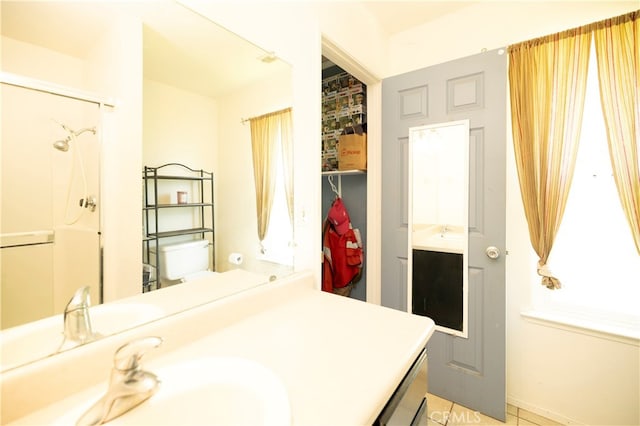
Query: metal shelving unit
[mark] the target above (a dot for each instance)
(200, 207)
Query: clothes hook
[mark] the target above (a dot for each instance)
(335, 190)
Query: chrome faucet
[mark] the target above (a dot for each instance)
(77, 322)
(444, 230)
(129, 385)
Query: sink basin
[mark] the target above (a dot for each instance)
(214, 391)
(228, 391)
(25, 343)
(432, 238)
(451, 236)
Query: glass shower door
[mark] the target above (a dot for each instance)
(50, 231)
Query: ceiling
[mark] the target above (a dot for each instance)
(393, 17)
(180, 47)
(396, 16)
(206, 58)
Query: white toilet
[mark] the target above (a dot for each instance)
(183, 262)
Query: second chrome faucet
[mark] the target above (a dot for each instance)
(77, 321)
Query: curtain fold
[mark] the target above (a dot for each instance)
(547, 79)
(287, 157)
(263, 144)
(268, 132)
(617, 42)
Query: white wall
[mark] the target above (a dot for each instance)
(26, 59)
(563, 373)
(235, 197)
(491, 25)
(195, 130)
(179, 127)
(560, 373)
(293, 34)
(38, 281)
(116, 71)
(113, 69)
(584, 369)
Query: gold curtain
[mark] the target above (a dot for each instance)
(617, 43)
(287, 157)
(547, 79)
(266, 132)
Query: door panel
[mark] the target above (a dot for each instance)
(468, 371)
(476, 180)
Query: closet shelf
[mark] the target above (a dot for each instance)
(344, 172)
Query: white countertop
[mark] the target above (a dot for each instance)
(339, 359)
(29, 342)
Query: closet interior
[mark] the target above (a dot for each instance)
(344, 110)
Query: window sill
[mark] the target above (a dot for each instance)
(627, 332)
(284, 261)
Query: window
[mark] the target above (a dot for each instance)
(594, 255)
(279, 237)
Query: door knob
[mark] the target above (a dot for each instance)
(492, 252)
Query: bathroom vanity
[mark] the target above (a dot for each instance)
(337, 361)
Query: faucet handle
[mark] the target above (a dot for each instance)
(128, 356)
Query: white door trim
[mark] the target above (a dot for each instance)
(373, 250)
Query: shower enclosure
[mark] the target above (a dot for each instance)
(50, 202)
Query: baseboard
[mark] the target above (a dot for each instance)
(542, 411)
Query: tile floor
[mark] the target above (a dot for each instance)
(442, 412)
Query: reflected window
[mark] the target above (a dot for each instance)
(277, 244)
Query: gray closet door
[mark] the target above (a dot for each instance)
(469, 371)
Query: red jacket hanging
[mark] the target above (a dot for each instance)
(342, 247)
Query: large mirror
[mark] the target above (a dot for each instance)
(123, 85)
(438, 224)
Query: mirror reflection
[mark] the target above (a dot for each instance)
(50, 174)
(126, 85)
(438, 223)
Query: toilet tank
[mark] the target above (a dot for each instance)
(181, 259)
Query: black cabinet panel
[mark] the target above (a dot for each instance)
(437, 287)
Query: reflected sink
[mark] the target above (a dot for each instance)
(214, 391)
(452, 236)
(38, 339)
(432, 238)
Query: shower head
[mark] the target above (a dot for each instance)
(63, 145)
